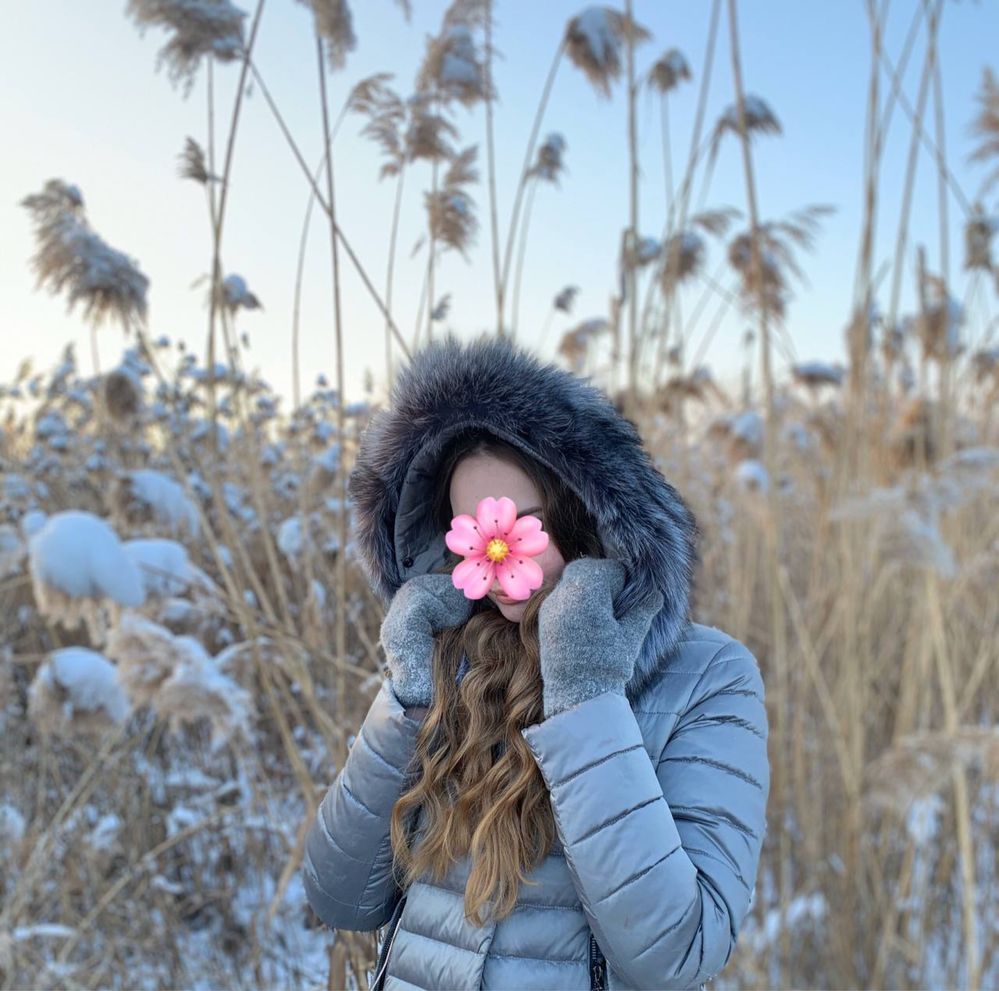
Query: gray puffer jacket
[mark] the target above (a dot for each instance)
(659, 795)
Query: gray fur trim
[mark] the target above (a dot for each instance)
(560, 419)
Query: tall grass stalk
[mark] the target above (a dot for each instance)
(525, 175)
(676, 210)
(491, 161)
(351, 254)
(631, 272)
(218, 214)
(341, 473)
(778, 645)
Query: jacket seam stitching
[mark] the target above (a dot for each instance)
(619, 817)
(363, 736)
(693, 692)
(641, 873)
(330, 838)
(354, 798)
(522, 903)
(597, 763)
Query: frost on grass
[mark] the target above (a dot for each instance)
(11, 550)
(153, 495)
(165, 567)
(236, 294)
(76, 693)
(818, 373)
(178, 678)
(81, 573)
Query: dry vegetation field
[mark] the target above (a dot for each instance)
(187, 643)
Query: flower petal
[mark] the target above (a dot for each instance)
(527, 538)
(519, 576)
(496, 516)
(464, 537)
(474, 576)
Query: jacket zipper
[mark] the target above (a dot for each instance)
(598, 966)
(388, 949)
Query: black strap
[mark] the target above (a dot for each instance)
(598, 967)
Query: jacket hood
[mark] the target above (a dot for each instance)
(558, 418)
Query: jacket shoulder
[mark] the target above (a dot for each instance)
(701, 659)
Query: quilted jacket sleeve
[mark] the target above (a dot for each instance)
(347, 866)
(664, 855)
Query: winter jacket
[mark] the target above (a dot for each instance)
(659, 795)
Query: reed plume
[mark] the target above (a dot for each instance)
(199, 28)
(593, 42)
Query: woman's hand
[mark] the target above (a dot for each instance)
(585, 651)
(421, 607)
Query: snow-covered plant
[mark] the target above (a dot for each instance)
(593, 42)
(72, 256)
(80, 572)
(75, 693)
(668, 71)
(450, 210)
(177, 677)
(199, 27)
(335, 25)
(549, 164)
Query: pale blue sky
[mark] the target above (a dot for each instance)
(83, 101)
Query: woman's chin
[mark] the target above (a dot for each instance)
(514, 608)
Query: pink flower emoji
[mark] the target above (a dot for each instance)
(496, 545)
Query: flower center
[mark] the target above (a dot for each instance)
(497, 549)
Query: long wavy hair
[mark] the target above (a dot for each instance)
(477, 782)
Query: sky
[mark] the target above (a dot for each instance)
(84, 101)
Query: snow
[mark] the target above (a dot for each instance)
(801, 910)
(166, 498)
(922, 820)
(16, 488)
(12, 825)
(647, 251)
(820, 370)
(594, 26)
(926, 545)
(751, 475)
(747, 426)
(163, 565)
(89, 680)
(50, 424)
(11, 550)
(319, 592)
(80, 555)
(458, 66)
(104, 835)
(236, 292)
(329, 460)
(289, 538)
(56, 931)
(197, 676)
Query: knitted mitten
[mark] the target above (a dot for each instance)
(421, 607)
(585, 651)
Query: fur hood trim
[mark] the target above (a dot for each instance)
(560, 419)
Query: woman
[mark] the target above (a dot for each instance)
(567, 791)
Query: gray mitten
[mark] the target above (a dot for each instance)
(422, 606)
(585, 651)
